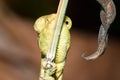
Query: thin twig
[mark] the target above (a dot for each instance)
(58, 25)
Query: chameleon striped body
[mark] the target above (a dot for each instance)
(44, 27)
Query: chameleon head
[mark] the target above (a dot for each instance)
(43, 21)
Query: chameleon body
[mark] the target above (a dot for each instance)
(45, 26)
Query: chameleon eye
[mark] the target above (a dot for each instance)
(66, 22)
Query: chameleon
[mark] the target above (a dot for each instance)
(44, 26)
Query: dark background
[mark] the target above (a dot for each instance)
(84, 14)
(19, 52)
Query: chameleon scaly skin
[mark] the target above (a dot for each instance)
(44, 27)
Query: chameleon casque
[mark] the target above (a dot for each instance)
(44, 26)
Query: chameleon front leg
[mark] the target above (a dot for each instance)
(46, 73)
